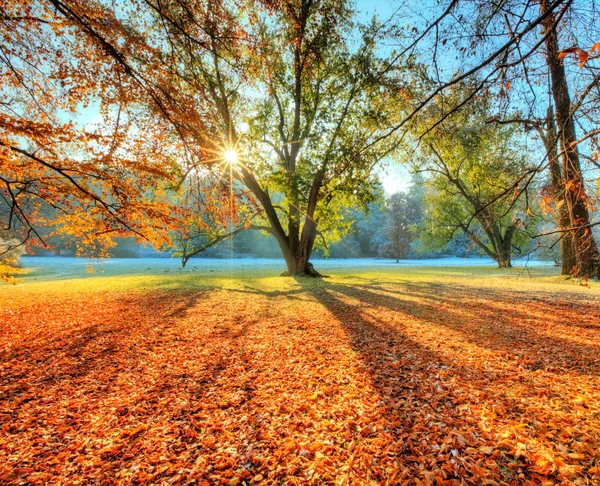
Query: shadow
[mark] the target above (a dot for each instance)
(80, 348)
(534, 328)
(383, 381)
(442, 396)
(95, 370)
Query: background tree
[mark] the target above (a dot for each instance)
(478, 177)
(402, 212)
(514, 50)
(10, 252)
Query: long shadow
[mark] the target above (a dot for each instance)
(415, 399)
(565, 308)
(123, 369)
(435, 403)
(96, 350)
(494, 321)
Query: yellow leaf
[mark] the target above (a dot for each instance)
(487, 450)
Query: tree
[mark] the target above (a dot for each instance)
(477, 172)
(513, 48)
(214, 212)
(587, 258)
(368, 227)
(402, 212)
(10, 252)
(57, 170)
(553, 195)
(279, 84)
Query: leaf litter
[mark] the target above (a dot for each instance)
(320, 382)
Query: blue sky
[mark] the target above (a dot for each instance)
(393, 175)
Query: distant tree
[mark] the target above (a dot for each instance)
(368, 228)
(527, 56)
(214, 211)
(401, 213)
(478, 174)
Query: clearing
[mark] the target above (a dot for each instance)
(373, 376)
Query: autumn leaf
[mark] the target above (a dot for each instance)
(581, 55)
(362, 374)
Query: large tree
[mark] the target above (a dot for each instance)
(587, 258)
(291, 87)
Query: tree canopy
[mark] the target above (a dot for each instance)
(127, 118)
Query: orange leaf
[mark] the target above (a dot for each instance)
(583, 57)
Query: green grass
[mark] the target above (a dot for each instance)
(132, 277)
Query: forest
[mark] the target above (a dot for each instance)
(299, 130)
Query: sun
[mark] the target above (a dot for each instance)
(231, 156)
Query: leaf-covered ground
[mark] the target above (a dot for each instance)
(389, 377)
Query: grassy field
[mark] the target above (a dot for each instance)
(386, 376)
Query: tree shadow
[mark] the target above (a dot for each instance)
(444, 401)
(522, 325)
(148, 358)
(80, 349)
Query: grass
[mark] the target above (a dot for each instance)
(383, 376)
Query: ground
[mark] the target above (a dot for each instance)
(374, 376)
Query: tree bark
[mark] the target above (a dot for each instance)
(587, 258)
(563, 221)
(505, 245)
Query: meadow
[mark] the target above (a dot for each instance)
(386, 375)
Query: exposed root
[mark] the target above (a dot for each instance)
(309, 271)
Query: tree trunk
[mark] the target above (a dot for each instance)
(299, 250)
(504, 246)
(587, 257)
(296, 249)
(503, 260)
(297, 261)
(563, 221)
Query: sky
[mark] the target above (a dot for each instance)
(393, 175)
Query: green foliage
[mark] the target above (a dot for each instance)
(342, 113)
(403, 212)
(478, 176)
